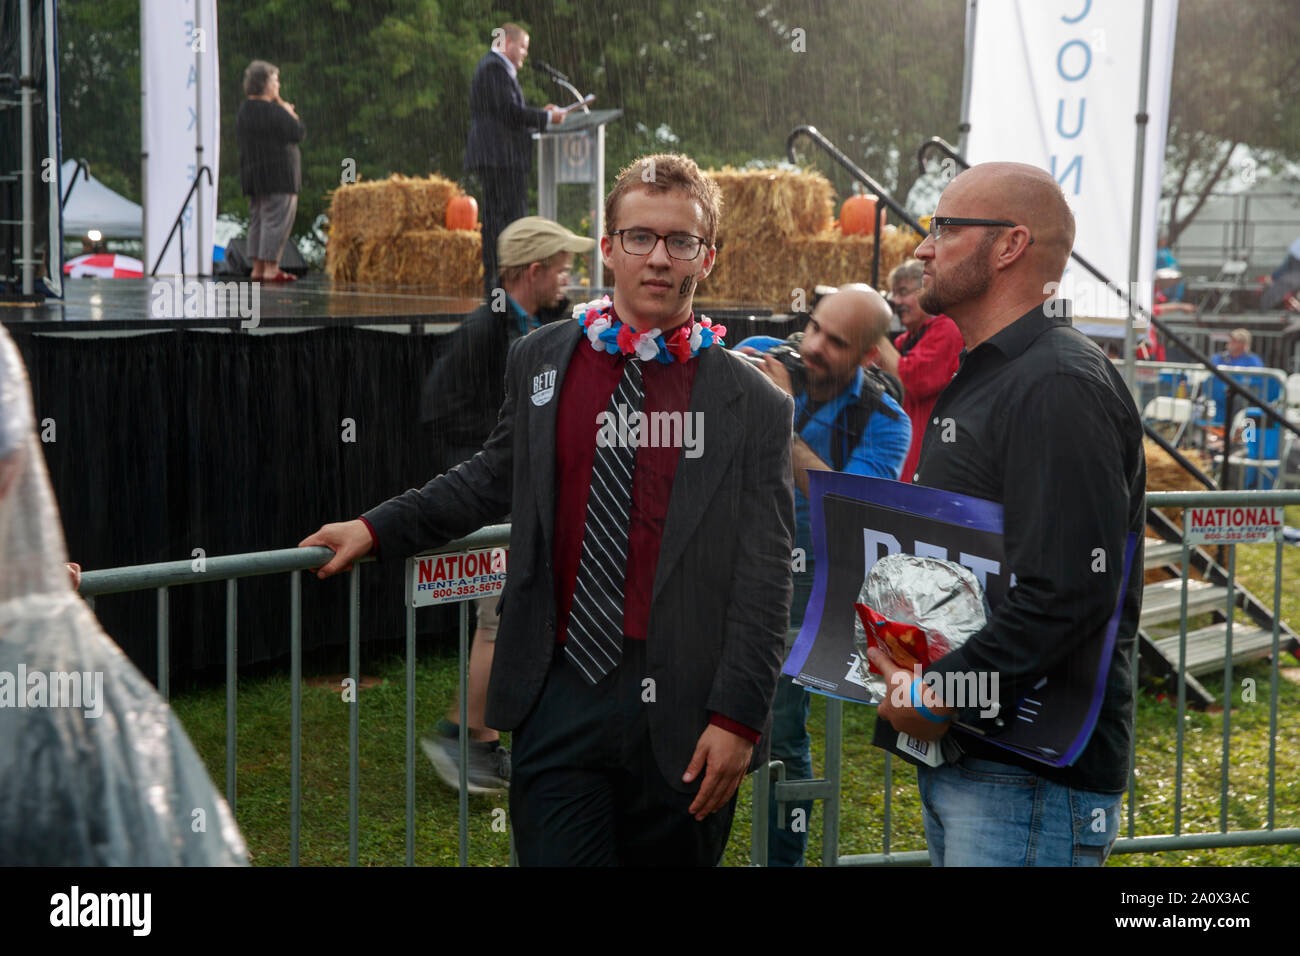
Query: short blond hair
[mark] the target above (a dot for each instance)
(661, 173)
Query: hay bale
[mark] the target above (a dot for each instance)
(765, 271)
(772, 202)
(390, 232)
(342, 256)
(896, 244)
(390, 207)
(1165, 474)
(441, 261)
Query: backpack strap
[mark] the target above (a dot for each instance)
(856, 415)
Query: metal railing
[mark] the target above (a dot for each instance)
(877, 190)
(293, 561)
(82, 169)
(176, 225)
(1279, 346)
(1238, 230)
(1158, 387)
(1167, 329)
(828, 789)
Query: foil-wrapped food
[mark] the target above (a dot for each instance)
(917, 609)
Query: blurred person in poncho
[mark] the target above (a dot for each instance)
(94, 767)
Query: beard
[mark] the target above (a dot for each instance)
(968, 279)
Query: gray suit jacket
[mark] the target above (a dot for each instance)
(722, 587)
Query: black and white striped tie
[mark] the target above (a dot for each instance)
(595, 639)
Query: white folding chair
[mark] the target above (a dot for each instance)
(1216, 294)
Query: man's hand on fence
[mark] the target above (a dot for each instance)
(348, 540)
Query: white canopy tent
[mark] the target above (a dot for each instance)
(93, 205)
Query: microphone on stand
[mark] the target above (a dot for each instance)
(560, 78)
(550, 71)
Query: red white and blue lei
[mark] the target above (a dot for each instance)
(609, 333)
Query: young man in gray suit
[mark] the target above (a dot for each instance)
(647, 472)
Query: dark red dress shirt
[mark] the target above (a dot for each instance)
(589, 384)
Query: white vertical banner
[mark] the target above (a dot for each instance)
(178, 57)
(54, 183)
(1055, 83)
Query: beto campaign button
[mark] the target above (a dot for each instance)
(544, 385)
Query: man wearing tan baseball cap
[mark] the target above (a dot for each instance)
(458, 408)
(536, 239)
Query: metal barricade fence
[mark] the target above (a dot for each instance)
(1186, 398)
(1163, 380)
(828, 788)
(294, 561)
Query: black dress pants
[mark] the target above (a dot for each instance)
(585, 789)
(505, 199)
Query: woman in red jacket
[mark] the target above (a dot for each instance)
(923, 356)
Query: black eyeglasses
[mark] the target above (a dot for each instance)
(641, 242)
(939, 223)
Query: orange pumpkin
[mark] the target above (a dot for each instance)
(858, 216)
(462, 213)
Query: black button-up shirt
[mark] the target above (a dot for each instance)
(1038, 420)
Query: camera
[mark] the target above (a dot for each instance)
(787, 353)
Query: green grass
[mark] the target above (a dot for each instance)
(263, 804)
(263, 742)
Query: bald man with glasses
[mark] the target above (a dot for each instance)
(1037, 420)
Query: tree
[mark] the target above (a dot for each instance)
(385, 83)
(1236, 81)
(727, 83)
(99, 89)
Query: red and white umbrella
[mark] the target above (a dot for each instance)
(104, 265)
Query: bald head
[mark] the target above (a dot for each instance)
(859, 312)
(1025, 195)
(985, 276)
(845, 328)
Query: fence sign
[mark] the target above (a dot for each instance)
(1233, 525)
(449, 578)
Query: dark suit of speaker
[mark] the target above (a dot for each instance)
(722, 584)
(500, 151)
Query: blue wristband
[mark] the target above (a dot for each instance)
(924, 711)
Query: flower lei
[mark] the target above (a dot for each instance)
(612, 335)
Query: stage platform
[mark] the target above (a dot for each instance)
(169, 434)
(106, 305)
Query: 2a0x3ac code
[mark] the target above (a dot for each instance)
(1201, 898)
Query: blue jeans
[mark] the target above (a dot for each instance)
(985, 813)
(792, 745)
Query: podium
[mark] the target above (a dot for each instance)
(574, 152)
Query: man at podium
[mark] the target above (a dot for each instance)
(500, 146)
